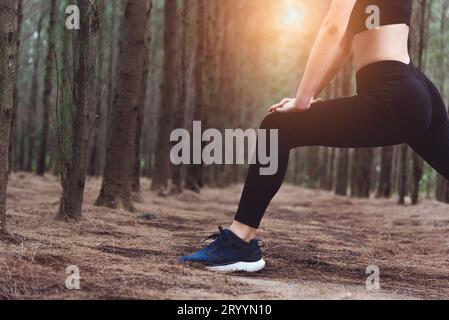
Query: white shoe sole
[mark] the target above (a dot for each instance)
(240, 266)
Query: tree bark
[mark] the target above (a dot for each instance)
(117, 182)
(73, 175)
(31, 115)
(177, 171)
(329, 166)
(194, 171)
(97, 100)
(326, 169)
(8, 60)
(386, 172)
(48, 86)
(168, 92)
(140, 114)
(111, 68)
(402, 184)
(13, 154)
(418, 163)
(313, 167)
(361, 181)
(342, 178)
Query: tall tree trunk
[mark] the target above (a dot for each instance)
(8, 60)
(13, 153)
(31, 115)
(111, 68)
(342, 173)
(97, 101)
(139, 126)
(313, 166)
(386, 171)
(331, 170)
(418, 163)
(140, 115)
(48, 86)
(73, 175)
(324, 168)
(177, 171)
(117, 182)
(212, 36)
(21, 145)
(168, 91)
(194, 171)
(108, 97)
(361, 181)
(403, 169)
(225, 76)
(342, 178)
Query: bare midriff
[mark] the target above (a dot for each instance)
(383, 44)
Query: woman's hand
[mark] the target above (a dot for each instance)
(291, 105)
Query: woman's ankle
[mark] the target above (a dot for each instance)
(244, 232)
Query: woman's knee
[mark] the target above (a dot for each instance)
(271, 122)
(278, 122)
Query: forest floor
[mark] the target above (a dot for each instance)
(318, 246)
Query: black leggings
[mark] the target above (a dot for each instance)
(395, 104)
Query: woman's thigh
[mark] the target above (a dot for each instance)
(354, 122)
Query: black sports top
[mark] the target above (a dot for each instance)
(390, 12)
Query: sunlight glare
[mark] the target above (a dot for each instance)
(293, 15)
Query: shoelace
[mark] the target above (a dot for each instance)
(220, 234)
(217, 235)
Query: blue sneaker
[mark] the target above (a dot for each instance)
(229, 253)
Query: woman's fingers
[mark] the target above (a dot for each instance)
(279, 105)
(285, 100)
(289, 105)
(275, 107)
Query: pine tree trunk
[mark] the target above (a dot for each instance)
(168, 95)
(21, 148)
(298, 168)
(48, 86)
(342, 178)
(313, 169)
(117, 182)
(403, 169)
(140, 119)
(13, 152)
(140, 116)
(418, 163)
(342, 184)
(324, 168)
(386, 172)
(194, 172)
(73, 175)
(111, 66)
(8, 60)
(31, 115)
(177, 171)
(362, 176)
(97, 101)
(331, 166)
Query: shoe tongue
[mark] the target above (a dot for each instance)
(235, 238)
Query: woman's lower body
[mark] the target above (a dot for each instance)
(395, 104)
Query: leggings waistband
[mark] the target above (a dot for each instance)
(378, 73)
